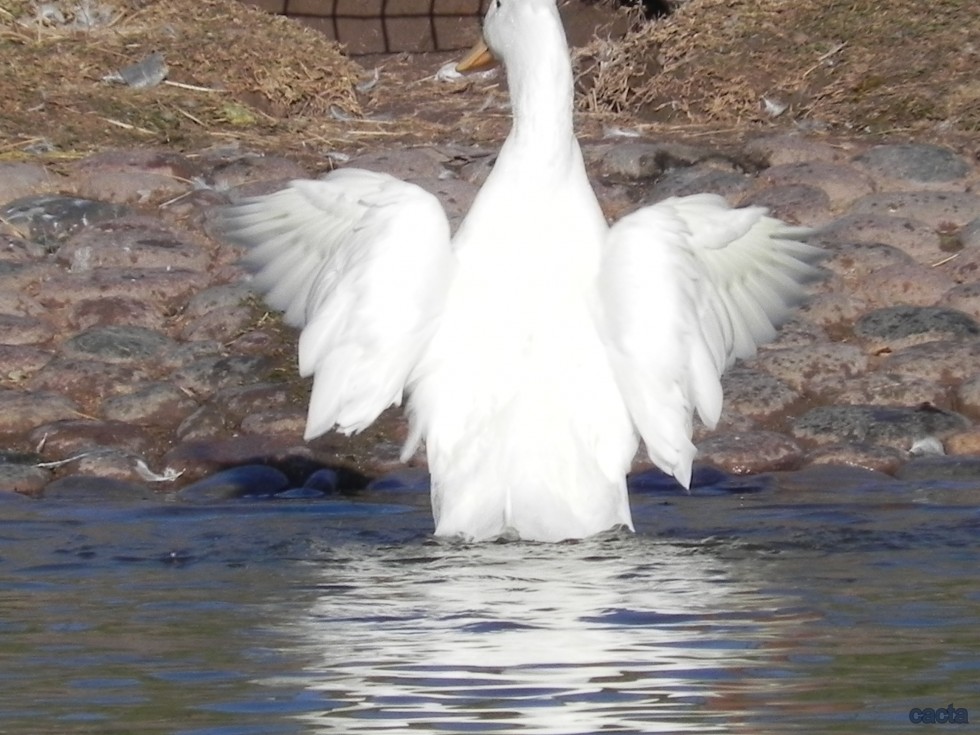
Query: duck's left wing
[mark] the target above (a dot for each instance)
(361, 261)
(687, 286)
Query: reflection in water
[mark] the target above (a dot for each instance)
(757, 609)
(618, 634)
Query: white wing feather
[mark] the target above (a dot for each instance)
(688, 285)
(362, 262)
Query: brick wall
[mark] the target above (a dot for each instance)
(387, 26)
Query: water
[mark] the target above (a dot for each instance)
(748, 609)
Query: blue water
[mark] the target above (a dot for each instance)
(800, 605)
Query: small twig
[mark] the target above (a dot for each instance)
(60, 462)
(192, 87)
(127, 126)
(944, 261)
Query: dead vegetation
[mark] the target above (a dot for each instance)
(844, 65)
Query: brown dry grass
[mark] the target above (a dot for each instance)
(253, 74)
(845, 65)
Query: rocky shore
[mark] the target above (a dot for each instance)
(134, 361)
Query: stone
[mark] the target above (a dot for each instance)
(24, 330)
(964, 442)
(937, 209)
(249, 168)
(750, 453)
(941, 469)
(841, 183)
(968, 396)
(281, 422)
(131, 187)
(946, 362)
(23, 478)
(890, 426)
(964, 298)
(151, 405)
(641, 161)
(20, 362)
(205, 377)
(917, 239)
(756, 394)
(197, 458)
(117, 344)
(780, 149)
(19, 180)
(68, 438)
(89, 489)
(116, 310)
(881, 389)
(221, 324)
(798, 367)
(970, 234)
(911, 285)
(914, 161)
(324, 480)
(51, 218)
(252, 480)
(88, 382)
(131, 242)
(870, 457)
(895, 327)
(697, 180)
(163, 287)
(855, 261)
(798, 204)
(20, 411)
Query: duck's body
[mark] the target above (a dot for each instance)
(539, 344)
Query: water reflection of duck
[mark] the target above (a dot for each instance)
(538, 344)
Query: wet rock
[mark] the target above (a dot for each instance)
(750, 452)
(108, 463)
(254, 480)
(18, 180)
(50, 218)
(798, 204)
(891, 426)
(23, 478)
(199, 458)
(934, 208)
(939, 469)
(941, 362)
(841, 183)
(797, 368)
(756, 394)
(153, 405)
(914, 161)
(324, 480)
(895, 327)
(410, 479)
(20, 411)
(845, 478)
(870, 457)
(88, 489)
(131, 242)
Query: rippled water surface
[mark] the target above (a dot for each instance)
(751, 609)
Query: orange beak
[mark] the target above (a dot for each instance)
(477, 58)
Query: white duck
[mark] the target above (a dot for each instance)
(538, 344)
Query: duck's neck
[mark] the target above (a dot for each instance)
(542, 98)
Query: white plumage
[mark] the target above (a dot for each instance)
(538, 345)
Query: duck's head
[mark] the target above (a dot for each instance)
(514, 32)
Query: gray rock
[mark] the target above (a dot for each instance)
(117, 344)
(254, 480)
(946, 362)
(890, 426)
(18, 180)
(797, 367)
(70, 438)
(644, 161)
(798, 204)
(50, 218)
(970, 234)
(24, 330)
(939, 469)
(21, 411)
(324, 480)
(915, 161)
(153, 404)
(915, 238)
(756, 394)
(968, 396)
(88, 382)
(881, 389)
(131, 242)
(896, 327)
(883, 461)
(23, 478)
(696, 180)
(86, 489)
(217, 297)
(203, 378)
(855, 261)
(749, 453)
(841, 183)
(938, 209)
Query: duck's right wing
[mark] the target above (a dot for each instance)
(688, 285)
(362, 262)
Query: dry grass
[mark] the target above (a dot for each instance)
(246, 74)
(846, 65)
